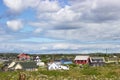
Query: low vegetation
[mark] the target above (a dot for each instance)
(107, 72)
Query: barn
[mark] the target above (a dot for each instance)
(81, 59)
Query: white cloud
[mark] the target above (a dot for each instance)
(65, 14)
(38, 30)
(15, 5)
(14, 24)
(82, 20)
(67, 47)
(20, 5)
(48, 6)
(39, 5)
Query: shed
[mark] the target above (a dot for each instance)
(81, 59)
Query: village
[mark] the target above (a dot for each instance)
(28, 63)
(59, 66)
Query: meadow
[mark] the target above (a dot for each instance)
(106, 72)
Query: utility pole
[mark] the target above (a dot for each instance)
(106, 50)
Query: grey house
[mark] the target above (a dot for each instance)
(97, 61)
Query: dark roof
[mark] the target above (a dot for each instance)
(97, 59)
(26, 65)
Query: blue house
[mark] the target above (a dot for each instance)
(66, 61)
(63, 61)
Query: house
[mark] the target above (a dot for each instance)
(63, 61)
(81, 59)
(38, 61)
(112, 60)
(66, 61)
(58, 62)
(27, 66)
(23, 56)
(97, 61)
(53, 66)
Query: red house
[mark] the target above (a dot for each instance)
(23, 56)
(82, 59)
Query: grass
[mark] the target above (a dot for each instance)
(108, 72)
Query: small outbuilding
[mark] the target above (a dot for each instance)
(81, 59)
(97, 61)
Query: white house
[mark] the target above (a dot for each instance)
(11, 64)
(39, 62)
(53, 66)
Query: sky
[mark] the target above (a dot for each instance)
(60, 26)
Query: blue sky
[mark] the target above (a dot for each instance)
(59, 26)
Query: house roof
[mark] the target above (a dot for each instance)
(81, 58)
(23, 55)
(26, 65)
(98, 59)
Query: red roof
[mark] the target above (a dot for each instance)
(23, 55)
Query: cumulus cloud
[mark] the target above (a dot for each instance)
(78, 20)
(48, 6)
(39, 5)
(15, 24)
(20, 5)
(14, 4)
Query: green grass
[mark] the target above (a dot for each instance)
(108, 72)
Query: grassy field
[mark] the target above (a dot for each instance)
(107, 72)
